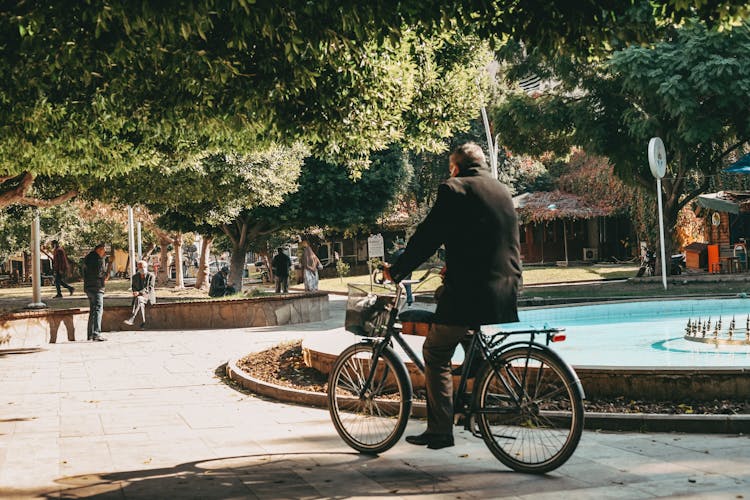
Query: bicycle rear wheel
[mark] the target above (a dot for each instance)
(372, 420)
(529, 409)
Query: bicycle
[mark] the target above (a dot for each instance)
(526, 403)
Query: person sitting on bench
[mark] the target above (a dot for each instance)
(142, 285)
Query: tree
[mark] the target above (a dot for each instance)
(94, 89)
(326, 196)
(691, 89)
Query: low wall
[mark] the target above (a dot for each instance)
(632, 383)
(33, 328)
(668, 384)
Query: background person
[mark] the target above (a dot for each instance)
(473, 216)
(94, 277)
(60, 268)
(281, 264)
(219, 286)
(142, 285)
(310, 266)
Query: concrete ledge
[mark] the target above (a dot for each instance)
(638, 422)
(33, 328)
(273, 310)
(28, 329)
(605, 382)
(668, 384)
(651, 422)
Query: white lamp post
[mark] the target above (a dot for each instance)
(657, 160)
(36, 265)
(131, 241)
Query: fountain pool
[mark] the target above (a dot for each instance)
(644, 333)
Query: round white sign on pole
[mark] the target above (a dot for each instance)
(657, 157)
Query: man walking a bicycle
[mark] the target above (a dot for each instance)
(474, 218)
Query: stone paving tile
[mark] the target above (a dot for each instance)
(80, 424)
(92, 461)
(619, 492)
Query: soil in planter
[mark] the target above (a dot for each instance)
(284, 365)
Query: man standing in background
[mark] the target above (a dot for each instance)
(94, 276)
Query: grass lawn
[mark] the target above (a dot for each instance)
(531, 276)
(565, 282)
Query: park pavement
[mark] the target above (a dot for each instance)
(145, 415)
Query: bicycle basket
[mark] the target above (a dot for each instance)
(367, 309)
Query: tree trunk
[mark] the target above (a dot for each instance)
(200, 280)
(111, 263)
(237, 267)
(266, 258)
(178, 274)
(162, 274)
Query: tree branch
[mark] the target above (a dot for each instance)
(225, 229)
(17, 195)
(691, 195)
(36, 202)
(733, 147)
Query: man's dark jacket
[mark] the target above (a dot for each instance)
(281, 264)
(218, 286)
(94, 272)
(144, 285)
(474, 218)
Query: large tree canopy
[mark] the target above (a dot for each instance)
(691, 89)
(96, 88)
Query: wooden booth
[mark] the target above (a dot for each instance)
(727, 216)
(560, 227)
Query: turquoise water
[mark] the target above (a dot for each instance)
(646, 333)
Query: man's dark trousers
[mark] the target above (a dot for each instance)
(96, 309)
(60, 282)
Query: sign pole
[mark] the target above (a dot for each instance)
(661, 234)
(657, 160)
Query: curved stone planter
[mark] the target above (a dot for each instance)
(643, 422)
(34, 328)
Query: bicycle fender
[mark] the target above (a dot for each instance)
(551, 352)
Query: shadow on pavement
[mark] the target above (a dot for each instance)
(282, 475)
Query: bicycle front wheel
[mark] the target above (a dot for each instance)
(372, 419)
(529, 409)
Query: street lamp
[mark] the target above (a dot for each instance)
(36, 265)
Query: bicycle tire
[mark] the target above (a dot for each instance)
(376, 423)
(529, 409)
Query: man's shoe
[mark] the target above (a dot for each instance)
(129, 321)
(98, 338)
(433, 441)
(71, 290)
(58, 296)
(441, 442)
